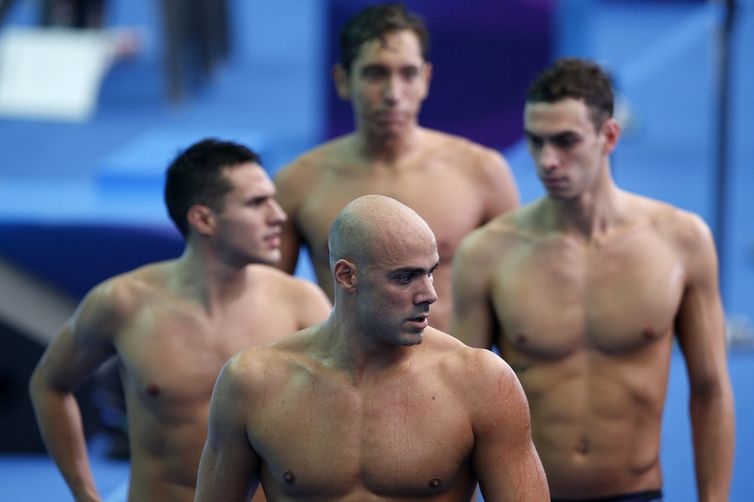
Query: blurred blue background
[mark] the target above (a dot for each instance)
(81, 201)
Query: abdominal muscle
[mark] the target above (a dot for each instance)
(165, 459)
(597, 431)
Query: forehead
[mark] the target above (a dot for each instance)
(404, 248)
(552, 118)
(249, 178)
(397, 46)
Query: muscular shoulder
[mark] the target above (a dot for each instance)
(502, 233)
(118, 298)
(296, 178)
(302, 299)
(269, 367)
(685, 230)
(125, 292)
(475, 372)
(473, 158)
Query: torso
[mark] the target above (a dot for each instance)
(402, 435)
(170, 351)
(588, 328)
(442, 181)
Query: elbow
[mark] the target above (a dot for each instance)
(712, 390)
(36, 386)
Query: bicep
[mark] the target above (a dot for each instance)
(505, 460)
(502, 192)
(84, 343)
(288, 186)
(473, 319)
(228, 469)
(700, 324)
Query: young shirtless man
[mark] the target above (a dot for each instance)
(172, 325)
(372, 404)
(584, 292)
(455, 185)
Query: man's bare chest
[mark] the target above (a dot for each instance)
(552, 301)
(172, 354)
(398, 444)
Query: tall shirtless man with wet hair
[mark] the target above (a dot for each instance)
(172, 325)
(372, 404)
(584, 292)
(454, 184)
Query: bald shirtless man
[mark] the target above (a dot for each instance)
(455, 185)
(372, 404)
(172, 325)
(583, 292)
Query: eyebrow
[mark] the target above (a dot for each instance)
(415, 270)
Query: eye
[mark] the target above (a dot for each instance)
(410, 73)
(257, 201)
(565, 142)
(404, 278)
(534, 141)
(373, 73)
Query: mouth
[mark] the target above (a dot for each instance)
(555, 182)
(392, 117)
(420, 321)
(273, 239)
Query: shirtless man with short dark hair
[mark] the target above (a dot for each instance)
(372, 404)
(584, 292)
(454, 184)
(173, 325)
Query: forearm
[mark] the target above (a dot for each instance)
(59, 420)
(713, 432)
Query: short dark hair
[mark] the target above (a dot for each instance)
(578, 79)
(373, 23)
(196, 177)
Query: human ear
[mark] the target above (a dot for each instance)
(612, 131)
(340, 77)
(345, 274)
(201, 218)
(427, 75)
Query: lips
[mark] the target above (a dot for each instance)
(420, 321)
(555, 182)
(273, 239)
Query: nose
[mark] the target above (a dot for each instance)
(426, 293)
(548, 159)
(391, 90)
(277, 215)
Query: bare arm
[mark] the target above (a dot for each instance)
(700, 328)
(229, 467)
(500, 187)
(312, 305)
(81, 347)
(505, 461)
(289, 196)
(473, 320)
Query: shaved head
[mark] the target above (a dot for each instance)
(374, 227)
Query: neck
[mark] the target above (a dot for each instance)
(385, 148)
(590, 215)
(209, 280)
(348, 348)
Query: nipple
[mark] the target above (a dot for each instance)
(153, 389)
(435, 483)
(649, 333)
(289, 478)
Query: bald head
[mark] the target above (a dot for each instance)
(374, 227)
